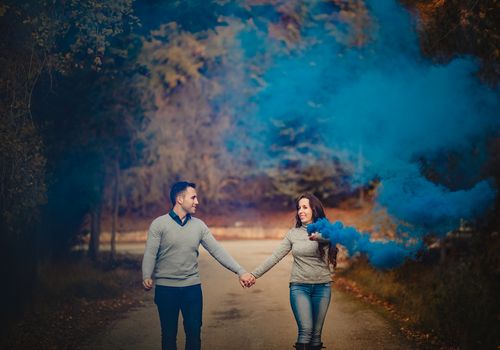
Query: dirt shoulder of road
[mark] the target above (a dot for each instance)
(68, 313)
(423, 340)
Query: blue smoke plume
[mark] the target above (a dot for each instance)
(381, 254)
(382, 108)
(433, 207)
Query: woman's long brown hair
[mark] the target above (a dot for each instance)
(317, 213)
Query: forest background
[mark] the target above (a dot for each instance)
(105, 104)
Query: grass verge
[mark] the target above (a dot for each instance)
(453, 304)
(73, 301)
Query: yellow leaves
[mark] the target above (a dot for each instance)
(97, 61)
(3, 9)
(175, 57)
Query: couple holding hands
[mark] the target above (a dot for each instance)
(170, 263)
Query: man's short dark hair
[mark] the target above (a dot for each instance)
(178, 188)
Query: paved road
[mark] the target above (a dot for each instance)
(255, 318)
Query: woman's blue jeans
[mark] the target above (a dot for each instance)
(189, 301)
(309, 304)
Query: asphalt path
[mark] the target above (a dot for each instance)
(256, 318)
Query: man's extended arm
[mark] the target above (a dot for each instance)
(149, 258)
(219, 253)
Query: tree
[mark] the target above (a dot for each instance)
(43, 43)
(199, 84)
(452, 28)
(301, 162)
(186, 124)
(93, 52)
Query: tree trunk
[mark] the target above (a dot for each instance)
(361, 197)
(95, 231)
(114, 220)
(442, 251)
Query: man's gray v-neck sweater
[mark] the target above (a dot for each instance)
(171, 255)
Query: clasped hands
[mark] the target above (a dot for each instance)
(247, 280)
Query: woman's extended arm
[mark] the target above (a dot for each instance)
(279, 253)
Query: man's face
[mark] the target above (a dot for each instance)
(189, 200)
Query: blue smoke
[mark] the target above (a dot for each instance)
(433, 208)
(381, 109)
(381, 254)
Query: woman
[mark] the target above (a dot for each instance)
(311, 275)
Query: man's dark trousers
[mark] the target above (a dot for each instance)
(188, 300)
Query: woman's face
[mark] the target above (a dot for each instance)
(305, 212)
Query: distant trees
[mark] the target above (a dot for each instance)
(54, 56)
(460, 27)
(22, 183)
(81, 104)
(197, 89)
(22, 163)
(306, 164)
(187, 76)
(101, 114)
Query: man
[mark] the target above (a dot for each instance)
(171, 256)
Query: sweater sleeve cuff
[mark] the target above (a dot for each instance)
(241, 271)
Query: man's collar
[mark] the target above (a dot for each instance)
(177, 219)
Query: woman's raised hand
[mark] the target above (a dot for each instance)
(314, 237)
